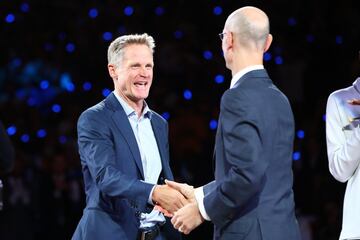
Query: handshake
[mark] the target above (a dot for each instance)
(177, 200)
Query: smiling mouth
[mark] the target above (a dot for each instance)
(141, 84)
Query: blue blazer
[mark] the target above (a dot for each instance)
(113, 173)
(252, 197)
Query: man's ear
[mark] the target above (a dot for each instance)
(112, 71)
(268, 42)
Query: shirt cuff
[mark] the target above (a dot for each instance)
(199, 196)
(150, 196)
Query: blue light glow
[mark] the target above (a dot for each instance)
(106, 92)
(166, 115)
(10, 18)
(128, 10)
(25, 138)
(70, 47)
(267, 56)
(213, 124)
(217, 10)
(279, 60)
(187, 94)
(48, 47)
(159, 11)
(93, 13)
(339, 40)
(87, 86)
(292, 21)
(324, 117)
(66, 82)
(31, 102)
(219, 78)
(62, 139)
(107, 36)
(296, 156)
(207, 55)
(41, 133)
(25, 7)
(44, 84)
(11, 130)
(178, 34)
(56, 108)
(300, 134)
(310, 38)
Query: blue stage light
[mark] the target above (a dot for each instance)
(44, 84)
(107, 36)
(279, 60)
(25, 7)
(106, 92)
(66, 82)
(31, 102)
(217, 10)
(187, 94)
(300, 134)
(41, 133)
(219, 78)
(296, 156)
(93, 13)
(128, 10)
(178, 34)
(166, 115)
(25, 138)
(70, 47)
(207, 55)
(339, 40)
(324, 117)
(310, 38)
(11, 130)
(87, 86)
(267, 56)
(62, 139)
(10, 18)
(213, 124)
(292, 21)
(56, 108)
(159, 11)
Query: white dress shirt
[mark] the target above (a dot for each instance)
(149, 152)
(199, 192)
(343, 148)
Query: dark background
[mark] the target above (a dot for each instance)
(53, 66)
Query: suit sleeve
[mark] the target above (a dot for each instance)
(343, 154)
(7, 152)
(241, 136)
(97, 150)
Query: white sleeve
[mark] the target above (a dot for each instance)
(343, 153)
(199, 195)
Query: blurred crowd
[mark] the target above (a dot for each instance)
(53, 66)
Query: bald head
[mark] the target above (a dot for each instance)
(250, 26)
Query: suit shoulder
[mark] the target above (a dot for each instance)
(158, 117)
(97, 110)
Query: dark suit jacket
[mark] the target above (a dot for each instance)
(113, 174)
(7, 152)
(251, 197)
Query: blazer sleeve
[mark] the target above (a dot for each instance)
(97, 150)
(7, 152)
(343, 154)
(241, 136)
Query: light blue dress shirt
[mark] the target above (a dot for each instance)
(150, 156)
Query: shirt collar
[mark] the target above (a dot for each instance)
(242, 72)
(356, 84)
(129, 111)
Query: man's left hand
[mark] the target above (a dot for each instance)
(354, 101)
(187, 218)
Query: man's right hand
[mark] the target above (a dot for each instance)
(354, 101)
(168, 198)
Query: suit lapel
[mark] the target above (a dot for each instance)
(160, 140)
(122, 123)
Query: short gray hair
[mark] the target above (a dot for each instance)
(116, 48)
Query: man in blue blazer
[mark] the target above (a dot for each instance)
(251, 197)
(124, 153)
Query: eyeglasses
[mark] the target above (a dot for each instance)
(221, 35)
